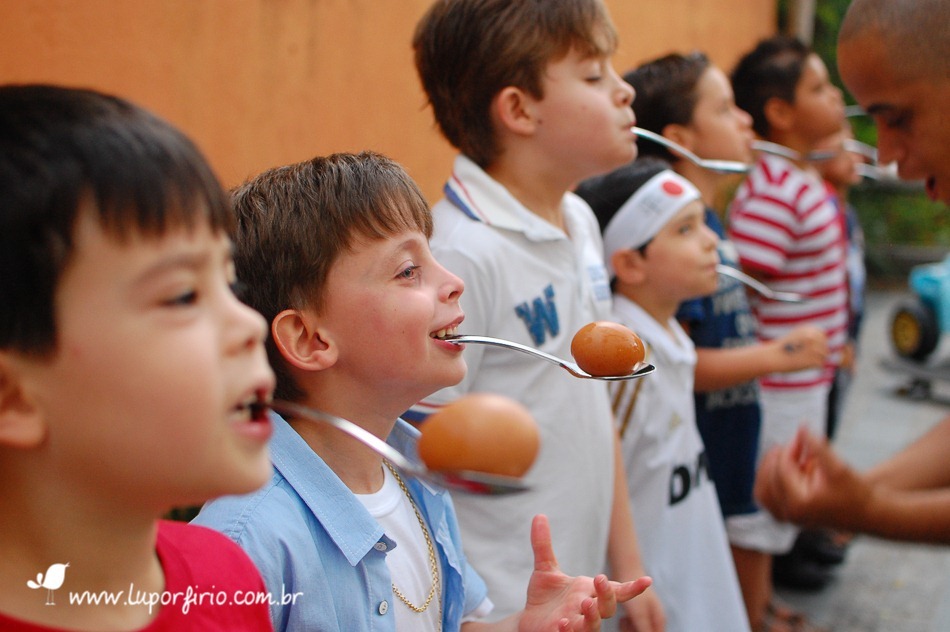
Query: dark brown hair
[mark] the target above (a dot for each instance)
(295, 221)
(467, 51)
(64, 151)
(666, 95)
(771, 70)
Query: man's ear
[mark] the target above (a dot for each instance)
(779, 113)
(628, 266)
(302, 342)
(21, 420)
(513, 110)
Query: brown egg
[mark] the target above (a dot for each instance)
(606, 349)
(481, 432)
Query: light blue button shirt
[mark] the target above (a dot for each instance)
(322, 556)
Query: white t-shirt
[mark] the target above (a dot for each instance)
(675, 508)
(408, 561)
(528, 281)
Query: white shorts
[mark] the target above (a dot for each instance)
(783, 412)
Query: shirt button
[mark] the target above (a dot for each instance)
(383, 607)
(380, 546)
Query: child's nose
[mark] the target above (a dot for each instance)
(452, 287)
(248, 326)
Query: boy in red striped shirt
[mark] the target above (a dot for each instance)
(789, 234)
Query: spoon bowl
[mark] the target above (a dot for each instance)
(478, 483)
(758, 286)
(721, 166)
(571, 367)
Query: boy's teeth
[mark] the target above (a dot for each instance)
(442, 333)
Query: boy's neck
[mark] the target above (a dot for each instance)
(359, 467)
(540, 190)
(706, 181)
(796, 142)
(656, 303)
(106, 548)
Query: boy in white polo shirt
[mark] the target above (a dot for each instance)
(660, 253)
(530, 122)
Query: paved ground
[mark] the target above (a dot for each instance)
(884, 586)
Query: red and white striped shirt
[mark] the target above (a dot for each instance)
(786, 227)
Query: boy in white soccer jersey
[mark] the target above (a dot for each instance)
(659, 253)
(530, 123)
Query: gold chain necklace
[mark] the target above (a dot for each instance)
(433, 562)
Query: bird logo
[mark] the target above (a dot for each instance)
(53, 579)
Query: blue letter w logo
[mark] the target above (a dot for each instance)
(540, 315)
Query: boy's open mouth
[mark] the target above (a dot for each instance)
(443, 333)
(257, 406)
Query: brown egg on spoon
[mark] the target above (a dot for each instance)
(607, 349)
(480, 432)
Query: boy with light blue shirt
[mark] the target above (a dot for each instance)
(335, 255)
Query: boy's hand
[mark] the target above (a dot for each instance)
(805, 347)
(559, 602)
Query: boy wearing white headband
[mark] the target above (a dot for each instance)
(659, 253)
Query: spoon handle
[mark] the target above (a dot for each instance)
(478, 483)
(360, 434)
(758, 286)
(570, 367)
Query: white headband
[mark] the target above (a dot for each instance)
(646, 212)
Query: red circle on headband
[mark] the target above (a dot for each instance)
(672, 188)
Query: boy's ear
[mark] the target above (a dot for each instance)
(301, 340)
(779, 113)
(21, 421)
(679, 134)
(628, 266)
(513, 111)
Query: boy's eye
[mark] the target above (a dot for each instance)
(185, 298)
(409, 273)
(895, 121)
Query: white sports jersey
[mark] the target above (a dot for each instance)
(527, 281)
(679, 524)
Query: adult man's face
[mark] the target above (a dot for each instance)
(910, 111)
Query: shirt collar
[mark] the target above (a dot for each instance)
(342, 515)
(485, 200)
(676, 348)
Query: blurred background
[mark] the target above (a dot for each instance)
(258, 83)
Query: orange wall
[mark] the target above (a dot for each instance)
(259, 83)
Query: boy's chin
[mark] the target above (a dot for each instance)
(247, 478)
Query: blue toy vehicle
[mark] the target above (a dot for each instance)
(916, 325)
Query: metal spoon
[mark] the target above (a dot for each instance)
(758, 286)
(787, 152)
(570, 367)
(466, 481)
(877, 172)
(863, 149)
(722, 166)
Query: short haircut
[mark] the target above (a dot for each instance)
(914, 31)
(665, 95)
(467, 51)
(63, 151)
(771, 70)
(295, 221)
